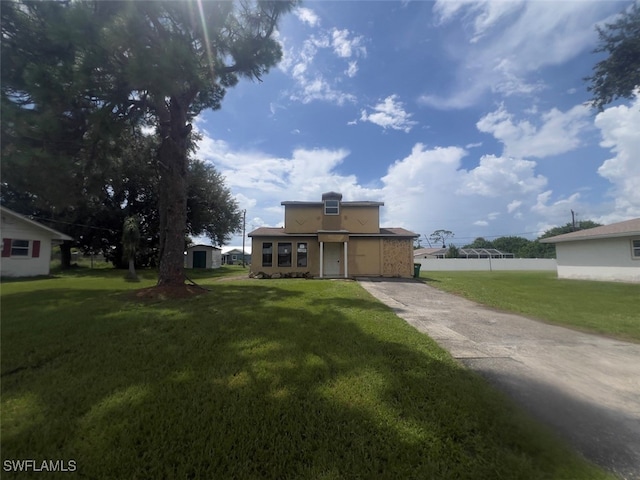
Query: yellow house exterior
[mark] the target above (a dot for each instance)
(332, 239)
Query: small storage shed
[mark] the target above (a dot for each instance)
(203, 256)
(26, 245)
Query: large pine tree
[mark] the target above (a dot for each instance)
(124, 62)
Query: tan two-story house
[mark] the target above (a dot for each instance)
(332, 239)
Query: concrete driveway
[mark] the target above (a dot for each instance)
(586, 387)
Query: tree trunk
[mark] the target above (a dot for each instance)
(132, 269)
(172, 195)
(65, 255)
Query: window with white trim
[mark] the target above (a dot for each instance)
(331, 207)
(635, 249)
(19, 248)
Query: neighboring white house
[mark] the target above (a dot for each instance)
(610, 252)
(26, 245)
(203, 256)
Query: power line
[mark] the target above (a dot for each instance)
(43, 219)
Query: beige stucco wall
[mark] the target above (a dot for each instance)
(310, 219)
(360, 219)
(313, 255)
(366, 256)
(302, 219)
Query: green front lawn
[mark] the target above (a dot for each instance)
(255, 379)
(607, 308)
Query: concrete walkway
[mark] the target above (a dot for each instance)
(584, 386)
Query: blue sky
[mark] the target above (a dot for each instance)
(467, 116)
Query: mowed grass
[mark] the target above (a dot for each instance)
(607, 308)
(275, 379)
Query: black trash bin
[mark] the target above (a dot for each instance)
(416, 270)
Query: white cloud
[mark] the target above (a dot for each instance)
(481, 223)
(346, 47)
(352, 69)
(513, 206)
(300, 62)
(554, 213)
(558, 132)
(308, 16)
(499, 176)
(619, 127)
(426, 190)
(390, 113)
(318, 88)
(508, 43)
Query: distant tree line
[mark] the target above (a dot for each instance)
(524, 248)
(520, 247)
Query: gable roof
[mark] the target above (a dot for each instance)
(627, 228)
(55, 235)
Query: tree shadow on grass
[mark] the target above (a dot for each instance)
(259, 381)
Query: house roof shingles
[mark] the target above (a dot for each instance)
(621, 229)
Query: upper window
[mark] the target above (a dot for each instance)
(284, 254)
(267, 254)
(331, 207)
(635, 248)
(19, 248)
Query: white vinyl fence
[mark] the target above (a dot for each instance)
(485, 264)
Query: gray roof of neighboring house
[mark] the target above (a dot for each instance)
(627, 228)
(279, 232)
(55, 234)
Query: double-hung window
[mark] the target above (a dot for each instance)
(331, 207)
(20, 248)
(635, 249)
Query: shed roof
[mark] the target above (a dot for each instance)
(627, 228)
(201, 245)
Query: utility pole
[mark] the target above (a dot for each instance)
(244, 221)
(573, 220)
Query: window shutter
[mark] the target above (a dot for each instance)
(6, 247)
(35, 251)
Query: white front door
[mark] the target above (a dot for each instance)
(331, 262)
